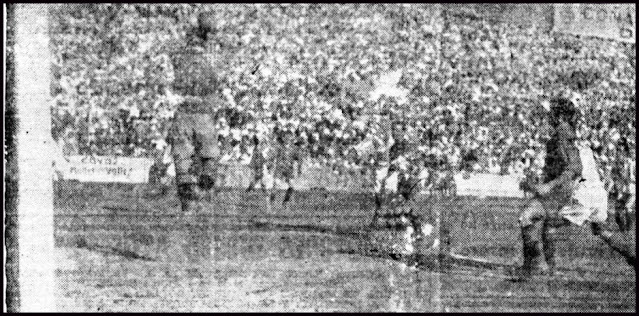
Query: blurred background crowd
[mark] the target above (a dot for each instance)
(469, 95)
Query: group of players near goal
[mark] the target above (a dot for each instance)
(196, 154)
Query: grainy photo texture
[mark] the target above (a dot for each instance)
(320, 157)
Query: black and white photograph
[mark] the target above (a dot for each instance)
(320, 157)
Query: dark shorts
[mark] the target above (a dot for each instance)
(258, 172)
(284, 172)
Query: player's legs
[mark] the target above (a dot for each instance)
(623, 216)
(206, 146)
(251, 185)
(389, 185)
(289, 191)
(405, 186)
(183, 150)
(550, 236)
(630, 208)
(257, 177)
(262, 173)
(552, 221)
(286, 175)
(274, 187)
(206, 149)
(452, 187)
(381, 175)
(622, 242)
(631, 205)
(531, 221)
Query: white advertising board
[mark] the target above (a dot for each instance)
(107, 169)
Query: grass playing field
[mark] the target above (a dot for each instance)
(119, 248)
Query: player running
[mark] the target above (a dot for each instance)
(397, 174)
(397, 222)
(258, 165)
(284, 160)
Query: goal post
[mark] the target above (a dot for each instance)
(33, 157)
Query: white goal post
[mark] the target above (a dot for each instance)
(36, 260)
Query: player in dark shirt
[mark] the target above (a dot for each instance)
(286, 155)
(540, 217)
(395, 159)
(192, 134)
(257, 164)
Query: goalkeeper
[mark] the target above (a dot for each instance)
(192, 134)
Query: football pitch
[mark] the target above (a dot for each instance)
(121, 248)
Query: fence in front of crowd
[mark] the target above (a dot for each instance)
(114, 169)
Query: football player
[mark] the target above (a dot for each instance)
(541, 217)
(192, 134)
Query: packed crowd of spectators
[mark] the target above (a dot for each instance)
(473, 87)
(499, 73)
